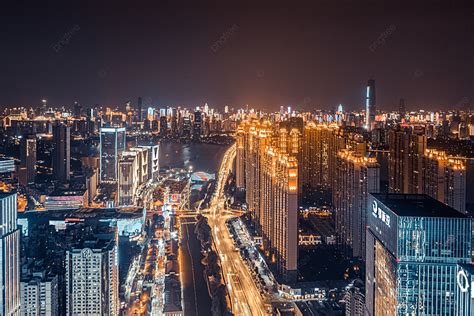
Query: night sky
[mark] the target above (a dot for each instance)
(313, 54)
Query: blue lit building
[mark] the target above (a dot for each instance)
(465, 290)
(414, 244)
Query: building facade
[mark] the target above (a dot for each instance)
(9, 256)
(129, 176)
(112, 144)
(279, 189)
(61, 154)
(92, 279)
(356, 176)
(414, 244)
(39, 295)
(27, 169)
(405, 160)
(445, 179)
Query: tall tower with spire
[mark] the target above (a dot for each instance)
(370, 105)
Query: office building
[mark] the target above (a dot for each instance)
(197, 125)
(61, 155)
(258, 138)
(405, 161)
(402, 108)
(112, 144)
(92, 278)
(279, 187)
(142, 163)
(445, 179)
(414, 244)
(27, 169)
(356, 176)
(39, 295)
(129, 174)
(370, 105)
(153, 161)
(9, 256)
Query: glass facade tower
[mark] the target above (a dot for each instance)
(414, 244)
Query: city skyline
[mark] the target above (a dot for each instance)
(210, 158)
(312, 55)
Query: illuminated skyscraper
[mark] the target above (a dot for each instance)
(128, 178)
(414, 244)
(61, 152)
(9, 256)
(27, 171)
(445, 179)
(279, 187)
(240, 155)
(112, 144)
(405, 160)
(370, 105)
(356, 177)
(319, 150)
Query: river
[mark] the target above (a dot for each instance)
(201, 157)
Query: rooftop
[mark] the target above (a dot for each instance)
(416, 205)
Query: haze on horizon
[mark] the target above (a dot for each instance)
(315, 54)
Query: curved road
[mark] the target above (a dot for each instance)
(244, 294)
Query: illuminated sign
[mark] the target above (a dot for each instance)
(463, 282)
(377, 212)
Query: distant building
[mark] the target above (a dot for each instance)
(27, 169)
(414, 244)
(9, 256)
(356, 176)
(163, 126)
(39, 295)
(402, 108)
(61, 154)
(197, 125)
(92, 279)
(370, 105)
(112, 144)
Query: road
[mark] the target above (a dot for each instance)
(195, 292)
(244, 294)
